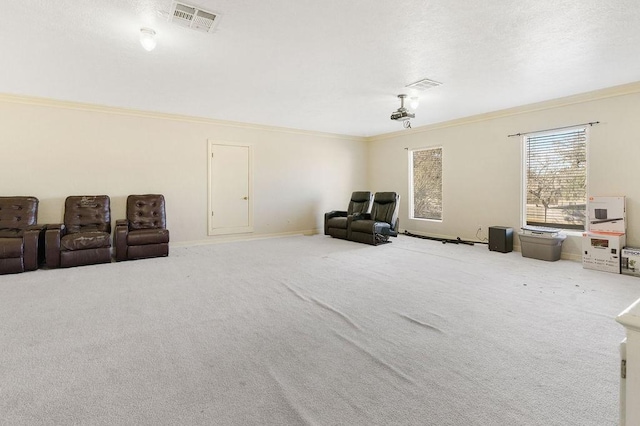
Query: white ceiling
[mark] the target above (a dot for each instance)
(330, 66)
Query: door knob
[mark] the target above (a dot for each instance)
(245, 198)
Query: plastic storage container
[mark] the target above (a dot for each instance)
(543, 246)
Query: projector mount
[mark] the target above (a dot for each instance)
(402, 114)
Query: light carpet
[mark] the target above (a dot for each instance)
(314, 331)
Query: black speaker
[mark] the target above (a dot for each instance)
(501, 239)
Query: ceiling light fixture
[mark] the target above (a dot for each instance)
(148, 39)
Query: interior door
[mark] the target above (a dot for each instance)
(230, 200)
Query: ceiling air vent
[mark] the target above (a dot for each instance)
(193, 17)
(423, 84)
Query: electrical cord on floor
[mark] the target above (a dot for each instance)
(480, 239)
(457, 240)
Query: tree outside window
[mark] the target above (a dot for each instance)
(426, 183)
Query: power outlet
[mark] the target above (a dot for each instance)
(479, 229)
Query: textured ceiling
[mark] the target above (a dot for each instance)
(331, 66)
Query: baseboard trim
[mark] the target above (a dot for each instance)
(517, 248)
(218, 239)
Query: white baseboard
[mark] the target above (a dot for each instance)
(217, 239)
(566, 256)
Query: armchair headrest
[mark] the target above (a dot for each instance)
(18, 212)
(87, 213)
(385, 197)
(360, 202)
(361, 196)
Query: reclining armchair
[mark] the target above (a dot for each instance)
(336, 221)
(21, 239)
(143, 233)
(376, 227)
(85, 236)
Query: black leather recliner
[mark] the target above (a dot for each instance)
(21, 239)
(144, 232)
(85, 236)
(376, 228)
(336, 221)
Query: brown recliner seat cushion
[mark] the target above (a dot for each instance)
(85, 240)
(148, 236)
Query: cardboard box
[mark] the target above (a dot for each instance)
(606, 214)
(630, 261)
(601, 251)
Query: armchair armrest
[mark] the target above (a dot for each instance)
(52, 244)
(33, 242)
(335, 213)
(329, 215)
(120, 239)
(361, 216)
(394, 228)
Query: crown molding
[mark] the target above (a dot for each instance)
(610, 92)
(79, 106)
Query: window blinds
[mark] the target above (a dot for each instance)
(556, 176)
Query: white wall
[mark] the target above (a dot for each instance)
(482, 166)
(52, 149)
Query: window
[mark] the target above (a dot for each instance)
(426, 183)
(555, 179)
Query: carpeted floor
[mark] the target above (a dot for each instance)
(314, 331)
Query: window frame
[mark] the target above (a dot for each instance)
(411, 183)
(524, 170)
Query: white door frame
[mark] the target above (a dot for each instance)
(236, 230)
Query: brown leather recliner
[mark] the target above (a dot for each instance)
(21, 239)
(144, 232)
(85, 236)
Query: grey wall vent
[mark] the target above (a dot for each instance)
(193, 17)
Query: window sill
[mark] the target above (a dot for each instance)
(573, 233)
(422, 219)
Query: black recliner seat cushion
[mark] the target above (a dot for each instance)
(370, 227)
